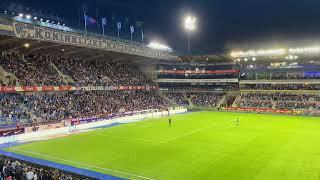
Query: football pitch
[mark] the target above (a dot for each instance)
(199, 146)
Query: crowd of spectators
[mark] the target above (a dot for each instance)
(30, 70)
(48, 107)
(255, 104)
(206, 99)
(296, 105)
(276, 97)
(178, 98)
(20, 170)
(12, 110)
(203, 99)
(101, 73)
(44, 70)
(280, 101)
(317, 98)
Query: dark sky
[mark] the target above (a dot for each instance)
(223, 24)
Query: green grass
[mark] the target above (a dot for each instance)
(201, 145)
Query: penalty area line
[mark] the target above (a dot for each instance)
(84, 164)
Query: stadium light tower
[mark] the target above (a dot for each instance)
(190, 26)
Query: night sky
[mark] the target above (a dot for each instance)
(222, 24)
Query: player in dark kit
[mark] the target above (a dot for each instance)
(169, 120)
(238, 122)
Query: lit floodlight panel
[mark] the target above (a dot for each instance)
(190, 23)
(159, 46)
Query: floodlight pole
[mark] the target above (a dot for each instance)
(189, 42)
(189, 25)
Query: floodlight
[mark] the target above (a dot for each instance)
(190, 26)
(156, 45)
(190, 23)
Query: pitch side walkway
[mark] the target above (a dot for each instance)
(63, 167)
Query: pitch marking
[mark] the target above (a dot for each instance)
(84, 164)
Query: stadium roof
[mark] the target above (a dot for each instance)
(32, 38)
(295, 54)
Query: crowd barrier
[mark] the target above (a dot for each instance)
(260, 110)
(199, 72)
(279, 111)
(67, 126)
(311, 113)
(12, 89)
(11, 132)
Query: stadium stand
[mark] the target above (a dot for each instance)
(178, 98)
(199, 99)
(44, 70)
(39, 70)
(279, 101)
(32, 108)
(101, 73)
(206, 99)
(31, 70)
(12, 110)
(35, 108)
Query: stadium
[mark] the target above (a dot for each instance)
(81, 105)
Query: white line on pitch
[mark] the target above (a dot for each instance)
(84, 164)
(186, 134)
